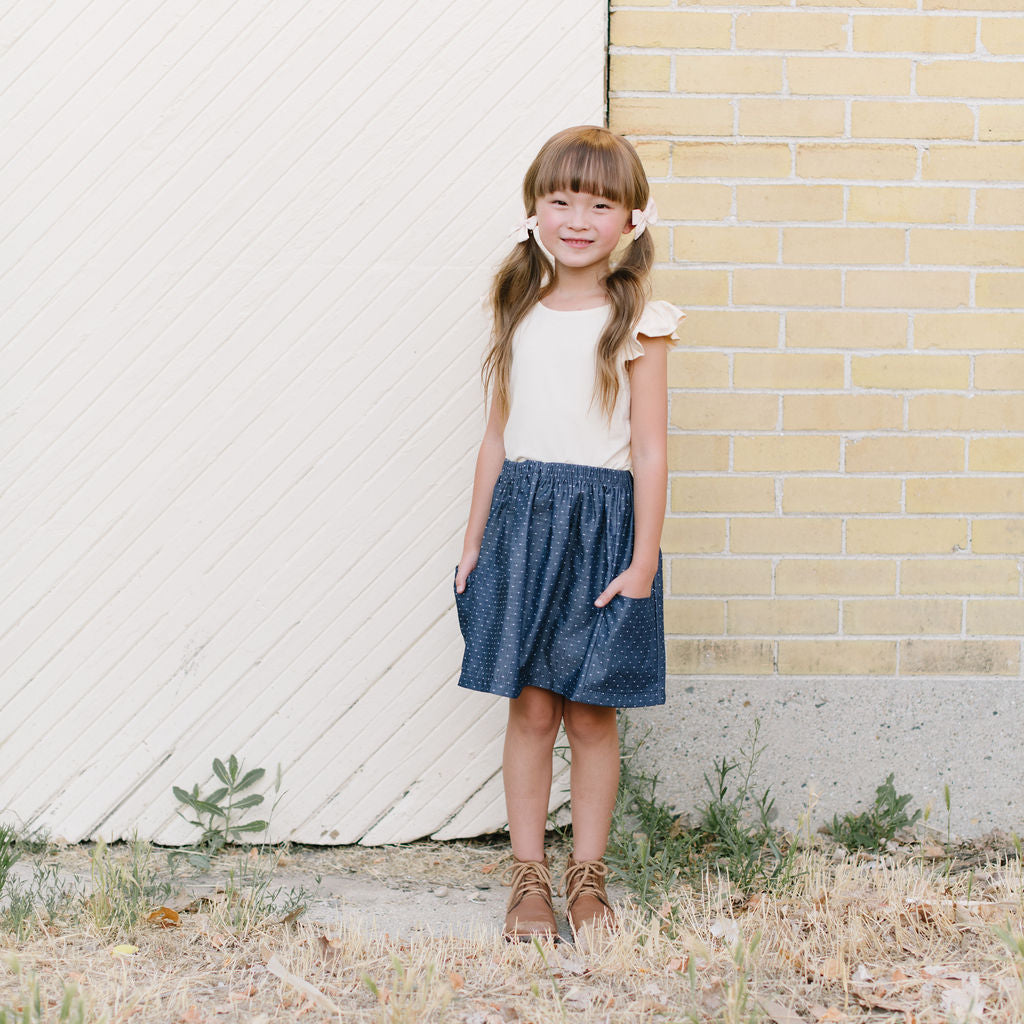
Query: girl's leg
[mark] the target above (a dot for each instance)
(533, 720)
(594, 738)
(593, 735)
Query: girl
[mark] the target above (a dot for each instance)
(559, 588)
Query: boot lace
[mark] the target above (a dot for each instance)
(528, 878)
(584, 878)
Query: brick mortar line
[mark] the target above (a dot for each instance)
(916, 57)
(852, 9)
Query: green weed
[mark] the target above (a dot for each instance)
(250, 900)
(43, 897)
(651, 849)
(38, 842)
(9, 853)
(742, 845)
(123, 893)
(217, 813)
(874, 828)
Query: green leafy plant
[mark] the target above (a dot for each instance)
(651, 848)
(217, 813)
(46, 896)
(9, 853)
(741, 843)
(874, 828)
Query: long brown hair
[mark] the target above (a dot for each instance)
(582, 159)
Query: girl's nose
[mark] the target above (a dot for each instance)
(578, 216)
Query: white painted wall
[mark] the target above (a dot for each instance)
(242, 248)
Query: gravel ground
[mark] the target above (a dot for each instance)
(404, 891)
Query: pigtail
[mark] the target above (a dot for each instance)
(520, 281)
(627, 286)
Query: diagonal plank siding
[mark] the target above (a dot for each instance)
(242, 249)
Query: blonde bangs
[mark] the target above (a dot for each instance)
(576, 161)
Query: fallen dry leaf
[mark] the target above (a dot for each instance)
(294, 915)
(328, 947)
(204, 903)
(164, 917)
(456, 980)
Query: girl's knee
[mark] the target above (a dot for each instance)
(589, 723)
(536, 711)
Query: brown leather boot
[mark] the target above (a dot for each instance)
(586, 900)
(530, 912)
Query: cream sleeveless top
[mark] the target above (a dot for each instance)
(552, 417)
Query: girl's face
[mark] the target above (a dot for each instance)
(579, 229)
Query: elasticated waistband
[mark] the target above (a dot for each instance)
(570, 472)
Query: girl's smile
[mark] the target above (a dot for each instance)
(580, 229)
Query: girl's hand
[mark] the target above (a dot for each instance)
(466, 565)
(634, 582)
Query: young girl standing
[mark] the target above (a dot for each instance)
(559, 588)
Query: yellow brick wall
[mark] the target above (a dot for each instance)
(842, 216)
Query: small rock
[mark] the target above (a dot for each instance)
(441, 891)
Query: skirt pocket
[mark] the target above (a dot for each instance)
(468, 599)
(625, 670)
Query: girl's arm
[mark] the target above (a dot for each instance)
(648, 424)
(488, 468)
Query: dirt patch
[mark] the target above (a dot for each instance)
(923, 933)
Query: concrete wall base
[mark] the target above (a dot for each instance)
(830, 742)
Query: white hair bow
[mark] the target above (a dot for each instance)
(521, 232)
(641, 218)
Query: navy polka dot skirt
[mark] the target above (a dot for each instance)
(556, 535)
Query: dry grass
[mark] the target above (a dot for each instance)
(900, 938)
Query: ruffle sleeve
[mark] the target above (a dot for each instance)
(658, 320)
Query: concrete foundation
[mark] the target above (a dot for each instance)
(830, 743)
